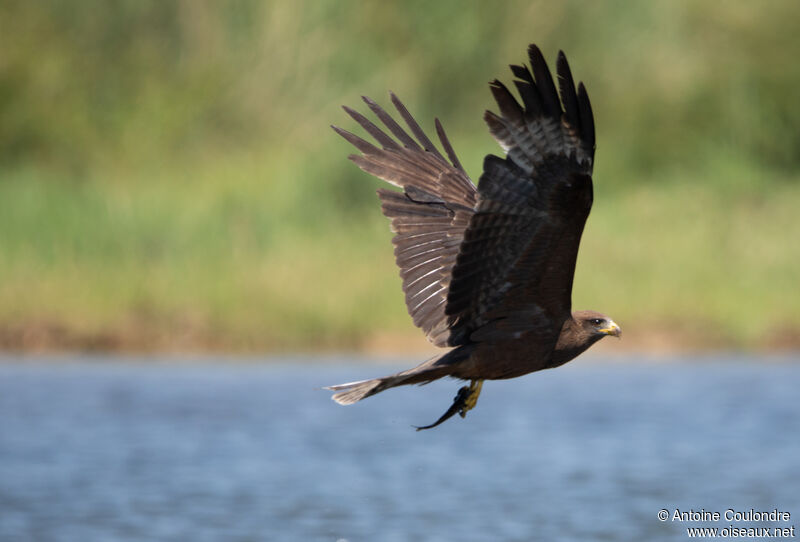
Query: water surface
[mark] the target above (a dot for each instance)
(118, 450)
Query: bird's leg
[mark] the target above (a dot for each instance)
(471, 399)
(464, 401)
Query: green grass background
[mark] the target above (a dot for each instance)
(168, 179)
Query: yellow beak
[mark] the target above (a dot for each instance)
(613, 329)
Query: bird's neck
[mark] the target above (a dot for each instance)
(572, 342)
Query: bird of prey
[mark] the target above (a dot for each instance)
(488, 271)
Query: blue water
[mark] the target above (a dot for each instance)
(113, 450)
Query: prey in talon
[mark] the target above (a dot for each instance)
(487, 270)
(464, 401)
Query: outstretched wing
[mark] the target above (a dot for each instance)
(514, 271)
(429, 216)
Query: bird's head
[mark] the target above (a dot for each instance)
(597, 324)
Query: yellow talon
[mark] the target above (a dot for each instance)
(472, 399)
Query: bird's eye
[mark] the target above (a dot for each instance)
(596, 321)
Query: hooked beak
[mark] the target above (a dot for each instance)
(613, 329)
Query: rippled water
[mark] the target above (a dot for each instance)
(123, 450)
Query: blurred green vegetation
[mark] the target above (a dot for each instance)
(168, 179)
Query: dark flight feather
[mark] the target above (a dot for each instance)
(567, 87)
(544, 82)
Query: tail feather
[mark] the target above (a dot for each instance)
(431, 370)
(352, 392)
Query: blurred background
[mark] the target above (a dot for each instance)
(169, 180)
(169, 184)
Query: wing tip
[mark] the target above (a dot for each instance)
(534, 51)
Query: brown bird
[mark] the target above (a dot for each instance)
(489, 271)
